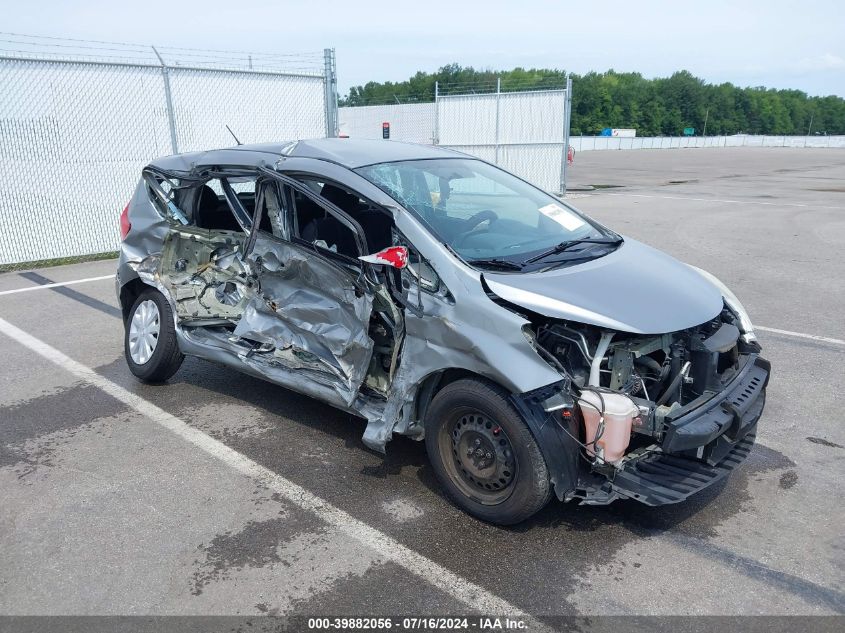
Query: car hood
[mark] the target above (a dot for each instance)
(634, 289)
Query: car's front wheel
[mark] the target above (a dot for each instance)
(152, 351)
(484, 454)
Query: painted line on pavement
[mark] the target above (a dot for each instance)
(57, 284)
(811, 337)
(721, 200)
(73, 293)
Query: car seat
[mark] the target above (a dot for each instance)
(214, 213)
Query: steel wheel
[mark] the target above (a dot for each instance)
(479, 457)
(143, 331)
(484, 454)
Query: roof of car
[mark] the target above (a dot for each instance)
(359, 152)
(351, 153)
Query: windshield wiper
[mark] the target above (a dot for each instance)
(496, 262)
(563, 246)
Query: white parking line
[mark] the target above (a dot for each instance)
(720, 200)
(812, 337)
(472, 595)
(56, 284)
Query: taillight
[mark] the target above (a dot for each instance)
(124, 223)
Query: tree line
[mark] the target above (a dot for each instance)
(663, 106)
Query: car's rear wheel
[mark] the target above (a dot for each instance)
(484, 454)
(152, 351)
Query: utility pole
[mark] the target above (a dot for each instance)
(567, 110)
(498, 99)
(706, 114)
(330, 86)
(168, 102)
(436, 139)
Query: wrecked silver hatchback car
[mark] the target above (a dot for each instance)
(440, 297)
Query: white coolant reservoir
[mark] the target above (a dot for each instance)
(618, 412)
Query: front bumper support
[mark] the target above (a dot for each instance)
(659, 479)
(701, 446)
(729, 413)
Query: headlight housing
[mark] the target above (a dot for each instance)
(734, 305)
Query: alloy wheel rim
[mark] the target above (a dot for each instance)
(143, 332)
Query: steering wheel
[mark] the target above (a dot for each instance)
(472, 222)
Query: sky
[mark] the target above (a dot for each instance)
(772, 43)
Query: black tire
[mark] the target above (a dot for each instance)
(466, 407)
(166, 357)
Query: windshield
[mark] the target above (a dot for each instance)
(488, 216)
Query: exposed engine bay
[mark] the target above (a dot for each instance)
(627, 386)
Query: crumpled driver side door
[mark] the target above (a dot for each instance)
(311, 312)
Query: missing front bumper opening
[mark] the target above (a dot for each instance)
(701, 446)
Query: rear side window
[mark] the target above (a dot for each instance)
(166, 195)
(314, 224)
(244, 188)
(213, 208)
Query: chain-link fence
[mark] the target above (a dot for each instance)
(76, 128)
(409, 122)
(524, 131)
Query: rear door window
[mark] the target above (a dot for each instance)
(315, 223)
(225, 204)
(166, 195)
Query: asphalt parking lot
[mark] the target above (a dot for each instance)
(218, 493)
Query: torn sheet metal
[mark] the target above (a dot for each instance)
(310, 304)
(216, 344)
(205, 274)
(289, 308)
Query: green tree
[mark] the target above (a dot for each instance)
(661, 106)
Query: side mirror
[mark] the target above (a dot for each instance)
(395, 256)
